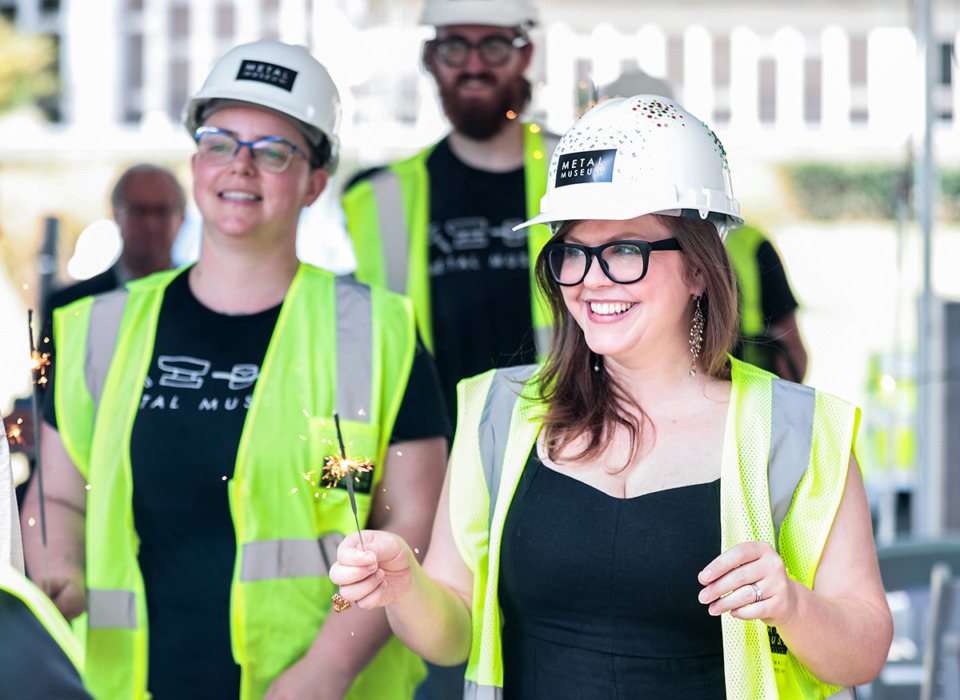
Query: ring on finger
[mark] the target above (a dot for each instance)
(757, 590)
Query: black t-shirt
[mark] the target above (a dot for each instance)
(183, 449)
(479, 270)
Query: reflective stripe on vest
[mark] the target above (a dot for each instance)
(394, 234)
(475, 691)
(791, 435)
(263, 560)
(266, 560)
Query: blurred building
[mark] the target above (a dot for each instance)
(777, 77)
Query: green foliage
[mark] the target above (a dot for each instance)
(825, 191)
(25, 67)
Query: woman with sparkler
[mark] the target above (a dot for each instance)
(641, 516)
(188, 509)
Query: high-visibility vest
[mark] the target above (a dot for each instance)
(337, 345)
(742, 244)
(783, 470)
(388, 214)
(15, 583)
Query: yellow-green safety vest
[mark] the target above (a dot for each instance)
(784, 466)
(15, 583)
(388, 214)
(337, 345)
(742, 244)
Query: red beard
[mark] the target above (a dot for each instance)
(482, 119)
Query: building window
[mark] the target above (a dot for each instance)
(858, 79)
(179, 21)
(50, 6)
(675, 62)
(767, 103)
(225, 21)
(812, 90)
(179, 76)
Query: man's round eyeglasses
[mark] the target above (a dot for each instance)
(623, 262)
(271, 153)
(494, 50)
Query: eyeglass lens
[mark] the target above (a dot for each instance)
(455, 51)
(219, 148)
(624, 262)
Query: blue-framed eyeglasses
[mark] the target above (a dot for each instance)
(623, 262)
(271, 153)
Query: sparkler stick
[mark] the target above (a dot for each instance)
(37, 365)
(348, 477)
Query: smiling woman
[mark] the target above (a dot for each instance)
(244, 357)
(641, 461)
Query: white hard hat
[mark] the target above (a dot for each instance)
(495, 13)
(639, 155)
(281, 77)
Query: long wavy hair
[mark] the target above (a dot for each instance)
(583, 402)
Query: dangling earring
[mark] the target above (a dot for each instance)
(596, 363)
(696, 337)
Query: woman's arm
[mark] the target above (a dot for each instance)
(403, 507)
(842, 629)
(58, 568)
(428, 607)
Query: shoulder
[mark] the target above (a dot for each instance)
(372, 174)
(97, 284)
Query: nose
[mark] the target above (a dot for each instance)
(243, 158)
(596, 277)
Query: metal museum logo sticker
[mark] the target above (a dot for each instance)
(269, 73)
(585, 166)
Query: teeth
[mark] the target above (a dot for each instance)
(609, 308)
(246, 196)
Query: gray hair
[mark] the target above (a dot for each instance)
(117, 197)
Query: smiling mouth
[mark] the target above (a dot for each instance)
(615, 308)
(239, 196)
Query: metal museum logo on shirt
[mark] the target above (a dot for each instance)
(269, 73)
(585, 166)
(189, 374)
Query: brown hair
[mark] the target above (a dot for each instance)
(581, 401)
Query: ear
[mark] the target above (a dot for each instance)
(526, 55)
(316, 184)
(427, 56)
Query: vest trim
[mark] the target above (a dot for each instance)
(791, 437)
(105, 315)
(354, 349)
(396, 236)
(268, 560)
(111, 609)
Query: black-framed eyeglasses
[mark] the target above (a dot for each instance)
(624, 262)
(494, 50)
(271, 153)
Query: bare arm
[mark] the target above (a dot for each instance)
(847, 601)
(404, 505)
(428, 607)
(792, 363)
(60, 571)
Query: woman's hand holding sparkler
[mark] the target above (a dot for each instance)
(375, 574)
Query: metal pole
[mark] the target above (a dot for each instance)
(927, 507)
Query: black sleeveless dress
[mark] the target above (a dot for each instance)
(599, 594)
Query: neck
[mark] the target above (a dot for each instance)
(242, 284)
(502, 152)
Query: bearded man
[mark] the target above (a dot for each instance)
(438, 227)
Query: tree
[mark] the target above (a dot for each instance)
(26, 63)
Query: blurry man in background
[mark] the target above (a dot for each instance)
(439, 226)
(148, 205)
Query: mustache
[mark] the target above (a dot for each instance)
(487, 78)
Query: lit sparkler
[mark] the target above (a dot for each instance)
(337, 468)
(38, 364)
